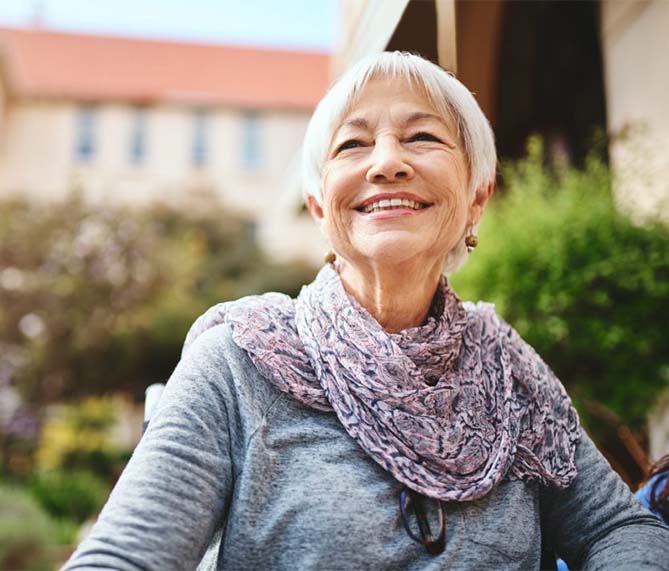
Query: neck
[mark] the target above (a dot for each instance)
(398, 297)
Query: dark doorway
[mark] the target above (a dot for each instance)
(550, 78)
(417, 30)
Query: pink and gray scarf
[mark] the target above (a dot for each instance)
(449, 408)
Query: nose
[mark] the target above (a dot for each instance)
(389, 163)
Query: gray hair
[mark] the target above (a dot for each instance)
(449, 97)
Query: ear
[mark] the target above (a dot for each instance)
(481, 197)
(315, 209)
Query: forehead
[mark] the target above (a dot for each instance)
(397, 97)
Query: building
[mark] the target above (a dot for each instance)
(569, 71)
(135, 121)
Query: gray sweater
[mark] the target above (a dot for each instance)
(236, 475)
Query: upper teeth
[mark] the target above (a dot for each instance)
(392, 203)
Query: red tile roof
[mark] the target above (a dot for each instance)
(48, 64)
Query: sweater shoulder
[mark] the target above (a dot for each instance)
(216, 365)
(222, 313)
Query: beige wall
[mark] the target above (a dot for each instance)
(38, 158)
(39, 153)
(636, 45)
(34, 156)
(2, 111)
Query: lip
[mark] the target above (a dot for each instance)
(394, 213)
(391, 195)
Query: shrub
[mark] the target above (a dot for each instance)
(99, 299)
(77, 438)
(578, 280)
(25, 532)
(64, 533)
(75, 495)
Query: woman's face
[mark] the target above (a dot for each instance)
(395, 180)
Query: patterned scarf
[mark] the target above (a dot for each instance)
(449, 408)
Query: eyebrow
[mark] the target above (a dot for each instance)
(361, 123)
(420, 115)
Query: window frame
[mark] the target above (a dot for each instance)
(137, 151)
(85, 145)
(251, 140)
(200, 144)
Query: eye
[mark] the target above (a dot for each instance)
(423, 136)
(350, 144)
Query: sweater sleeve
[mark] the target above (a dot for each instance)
(597, 524)
(174, 490)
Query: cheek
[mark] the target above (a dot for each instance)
(453, 184)
(338, 193)
(337, 186)
(337, 221)
(455, 199)
(454, 217)
(458, 175)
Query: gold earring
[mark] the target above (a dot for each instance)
(471, 242)
(330, 257)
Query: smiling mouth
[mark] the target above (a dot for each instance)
(392, 204)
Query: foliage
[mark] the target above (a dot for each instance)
(98, 299)
(78, 437)
(578, 280)
(73, 495)
(25, 532)
(64, 531)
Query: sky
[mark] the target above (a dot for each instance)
(291, 24)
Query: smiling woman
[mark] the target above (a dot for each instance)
(376, 413)
(393, 146)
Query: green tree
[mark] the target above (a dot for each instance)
(98, 299)
(587, 288)
(95, 300)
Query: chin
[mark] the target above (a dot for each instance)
(393, 248)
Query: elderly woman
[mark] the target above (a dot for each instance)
(376, 421)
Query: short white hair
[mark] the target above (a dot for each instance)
(449, 97)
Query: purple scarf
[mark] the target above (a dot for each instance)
(448, 408)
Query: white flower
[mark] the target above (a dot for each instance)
(31, 325)
(11, 279)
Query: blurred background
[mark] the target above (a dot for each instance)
(148, 169)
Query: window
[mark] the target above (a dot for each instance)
(200, 148)
(85, 134)
(138, 138)
(251, 151)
